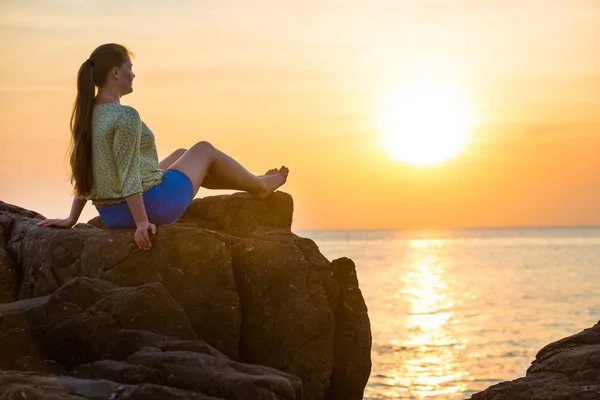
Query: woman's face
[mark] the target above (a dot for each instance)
(126, 76)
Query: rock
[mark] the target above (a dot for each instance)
(566, 369)
(352, 336)
(76, 323)
(191, 264)
(33, 386)
(288, 322)
(88, 320)
(8, 273)
(239, 214)
(127, 342)
(199, 373)
(18, 339)
(10, 209)
(254, 292)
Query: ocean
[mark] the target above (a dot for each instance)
(455, 311)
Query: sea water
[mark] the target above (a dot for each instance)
(455, 311)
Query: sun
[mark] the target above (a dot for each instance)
(424, 123)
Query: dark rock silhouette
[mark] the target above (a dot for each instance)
(31, 386)
(228, 304)
(566, 369)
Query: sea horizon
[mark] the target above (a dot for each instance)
(450, 228)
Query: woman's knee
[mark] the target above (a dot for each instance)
(180, 152)
(204, 148)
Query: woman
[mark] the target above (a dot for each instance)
(114, 161)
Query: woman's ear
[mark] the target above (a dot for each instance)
(114, 72)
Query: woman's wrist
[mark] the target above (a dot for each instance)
(137, 208)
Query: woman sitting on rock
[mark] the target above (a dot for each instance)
(114, 161)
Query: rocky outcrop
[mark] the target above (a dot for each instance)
(229, 303)
(32, 386)
(566, 369)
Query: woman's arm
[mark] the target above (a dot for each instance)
(76, 208)
(126, 152)
(138, 211)
(137, 208)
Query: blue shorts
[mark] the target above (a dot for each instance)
(165, 203)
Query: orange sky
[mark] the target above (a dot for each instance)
(273, 83)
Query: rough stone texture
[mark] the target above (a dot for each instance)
(238, 214)
(197, 372)
(32, 386)
(254, 292)
(76, 323)
(8, 275)
(87, 320)
(566, 369)
(288, 323)
(127, 342)
(18, 343)
(191, 263)
(352, 336)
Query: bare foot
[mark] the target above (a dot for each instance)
(271, 181)
(269, 172)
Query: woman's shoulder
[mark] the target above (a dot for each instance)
(118, 110)
(129, 114)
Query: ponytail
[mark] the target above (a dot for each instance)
(82, 176)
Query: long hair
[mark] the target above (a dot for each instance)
(93, 72)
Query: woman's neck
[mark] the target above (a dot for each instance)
(104, 97)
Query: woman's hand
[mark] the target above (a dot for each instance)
(59, 223)
(78, 204)
(142, 238)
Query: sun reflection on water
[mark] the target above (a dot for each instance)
(427, 365)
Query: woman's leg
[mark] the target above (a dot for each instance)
(209, 182)
(203, 160)
(171, 158)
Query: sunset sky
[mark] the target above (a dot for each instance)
(302, 83)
